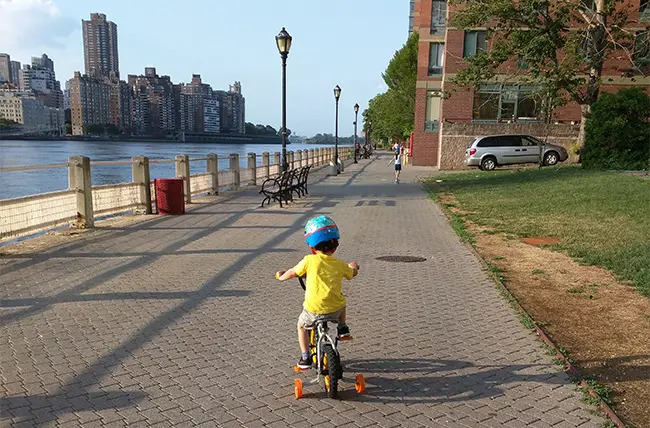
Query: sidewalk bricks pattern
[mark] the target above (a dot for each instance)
(178, 321)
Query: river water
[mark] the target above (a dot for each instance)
(26, 153)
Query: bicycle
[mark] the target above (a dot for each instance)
(326, 360)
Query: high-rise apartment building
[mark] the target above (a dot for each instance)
(444, 124)
(233, 110)
(199, 108)
(5, 68)
(14, 71)
(41, 79)
(154, 107)
(89, 102)
(100, 46)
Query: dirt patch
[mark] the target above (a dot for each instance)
(541, 241)
(604, 324)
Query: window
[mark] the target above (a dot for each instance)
(436, 58)
(432, 120)
(506, 103)
(438, 16)
(488, 142)
(641, 51)
(522, 64)
(475, 41)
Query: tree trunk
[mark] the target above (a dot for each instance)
(585, 109)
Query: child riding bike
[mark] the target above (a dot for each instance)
(323, 298)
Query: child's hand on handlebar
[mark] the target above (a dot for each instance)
(353, 265)
(278, 274)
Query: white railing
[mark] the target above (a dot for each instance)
(80, 204)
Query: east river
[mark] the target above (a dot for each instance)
(26, 153)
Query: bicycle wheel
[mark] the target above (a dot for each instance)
(332, 371)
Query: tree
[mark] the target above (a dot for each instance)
(563, 44)
(618, 131)
(392, 113)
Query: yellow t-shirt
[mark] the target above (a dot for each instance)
(323, 286)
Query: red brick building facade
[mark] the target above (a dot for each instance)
(444, 127)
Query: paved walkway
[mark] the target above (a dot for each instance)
(178, 321)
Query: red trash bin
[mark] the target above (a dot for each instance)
(170, 197)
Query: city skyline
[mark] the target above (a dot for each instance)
(222, 50)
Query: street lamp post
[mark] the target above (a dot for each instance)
(356, 115)
(283, 40)
(337, 95)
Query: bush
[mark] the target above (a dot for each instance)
(618, 132)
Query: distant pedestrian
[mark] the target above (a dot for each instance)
(398, 165)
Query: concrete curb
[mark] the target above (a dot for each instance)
(569, 368)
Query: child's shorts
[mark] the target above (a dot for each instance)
(398, 167)
(308, 320)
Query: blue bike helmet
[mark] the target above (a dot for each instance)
(320, 229)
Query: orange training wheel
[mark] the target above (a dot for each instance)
(297, 388)
(360, 384)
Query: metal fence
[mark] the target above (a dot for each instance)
(80, 204)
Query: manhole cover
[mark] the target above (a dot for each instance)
(401, 259)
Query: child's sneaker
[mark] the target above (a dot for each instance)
(304, 363)
(343, 330)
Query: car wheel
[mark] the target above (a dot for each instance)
(551, 158)
(488, 164)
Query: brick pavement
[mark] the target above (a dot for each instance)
(178, 321)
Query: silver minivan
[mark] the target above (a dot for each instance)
(489, 152)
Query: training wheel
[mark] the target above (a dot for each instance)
(297, 388)
(360, 384)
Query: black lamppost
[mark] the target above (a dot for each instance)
(368, 135)
(356, 114)
(283, 40)
(337, 95)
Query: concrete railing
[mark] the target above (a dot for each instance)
(80, 204)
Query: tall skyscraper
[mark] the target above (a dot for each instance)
(100, 46)
(15, 73)
(5, 68)
(233, 110)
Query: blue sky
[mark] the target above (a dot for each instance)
(342, 42)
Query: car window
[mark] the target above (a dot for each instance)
(488, 142)
(510, 141)
(530, 141)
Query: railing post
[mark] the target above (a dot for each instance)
(312, 158)
(79, 180)
(299, 158)
(290, 159)
(252, 165)
(319, 157)
(213, 170)
(265, 164)
(141, 177)
(277, 160)
(183, 171)
(234, 167)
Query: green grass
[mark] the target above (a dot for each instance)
(602, 218)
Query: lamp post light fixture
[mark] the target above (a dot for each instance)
(356, 115)
(337, 95)
(283, 40)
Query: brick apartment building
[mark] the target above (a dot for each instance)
(444, 127)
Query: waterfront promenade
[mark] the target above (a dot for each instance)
(177, 321)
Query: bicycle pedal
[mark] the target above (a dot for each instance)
(300, 369)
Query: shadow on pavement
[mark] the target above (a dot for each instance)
(410, 381)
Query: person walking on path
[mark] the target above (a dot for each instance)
(398, 165)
